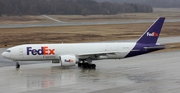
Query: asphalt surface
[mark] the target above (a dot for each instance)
(150, 73)
(60, 23)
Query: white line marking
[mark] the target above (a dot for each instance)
(52, 19)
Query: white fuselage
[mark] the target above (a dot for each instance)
(31, 52)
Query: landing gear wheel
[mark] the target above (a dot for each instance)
(87, 65)
(93, 66)
(17, 65)
(80, 64)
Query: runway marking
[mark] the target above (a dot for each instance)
(52, 19)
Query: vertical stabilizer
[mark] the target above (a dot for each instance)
(152, 34)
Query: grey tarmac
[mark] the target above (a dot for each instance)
(150, 73)
(60, 23)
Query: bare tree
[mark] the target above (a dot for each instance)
(67, 7)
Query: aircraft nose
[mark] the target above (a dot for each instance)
(4, 55)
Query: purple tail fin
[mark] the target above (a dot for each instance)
(152, 34)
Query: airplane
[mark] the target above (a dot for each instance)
(83, 54)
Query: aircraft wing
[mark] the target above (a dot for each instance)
(98, 53)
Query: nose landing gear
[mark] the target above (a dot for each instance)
(17, 65)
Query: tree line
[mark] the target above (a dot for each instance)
(68, 7)
(153, 3)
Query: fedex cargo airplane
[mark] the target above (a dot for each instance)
(84, 53)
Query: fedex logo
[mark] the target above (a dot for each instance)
(70, 60)
(42, 51)
(152, 34)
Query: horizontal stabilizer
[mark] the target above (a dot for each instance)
(155, 47)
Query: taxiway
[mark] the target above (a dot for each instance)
(60, 23)
(150, 73)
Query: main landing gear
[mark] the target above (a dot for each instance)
(87, 65)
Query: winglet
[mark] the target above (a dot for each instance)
(152, 34)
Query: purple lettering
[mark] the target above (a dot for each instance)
(34, 52)
(28, 50)
(41, 51)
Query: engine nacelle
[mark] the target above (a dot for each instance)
(68, 60)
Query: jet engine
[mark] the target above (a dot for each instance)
(68, 60)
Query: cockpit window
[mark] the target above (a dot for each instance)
(8, 50)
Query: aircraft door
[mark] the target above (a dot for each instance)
(21, 53)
